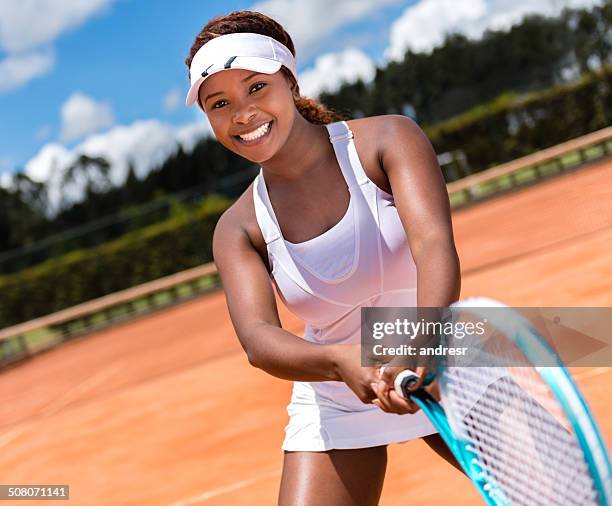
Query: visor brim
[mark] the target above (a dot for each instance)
(254, 63)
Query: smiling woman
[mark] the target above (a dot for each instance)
(342, 215)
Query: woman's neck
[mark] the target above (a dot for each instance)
(305, 148)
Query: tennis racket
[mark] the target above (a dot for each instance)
(524, 435)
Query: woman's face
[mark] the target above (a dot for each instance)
(251, 113)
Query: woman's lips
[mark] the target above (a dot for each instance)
(258, 140)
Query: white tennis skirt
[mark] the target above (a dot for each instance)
(328, 415)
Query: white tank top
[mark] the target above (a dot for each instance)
(363, 260)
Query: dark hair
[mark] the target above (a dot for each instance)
(255, 22)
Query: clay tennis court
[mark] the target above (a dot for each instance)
(166, 410)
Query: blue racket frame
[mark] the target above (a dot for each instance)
(529, 341)
(461, 449)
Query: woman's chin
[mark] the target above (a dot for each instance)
(259, 159)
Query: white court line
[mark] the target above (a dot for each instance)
(68, 396)
(215, 492)
(58, 403)
(12, 434)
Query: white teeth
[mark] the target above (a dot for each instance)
(257, 133)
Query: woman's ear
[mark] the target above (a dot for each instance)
(293, 86)
(295, 89)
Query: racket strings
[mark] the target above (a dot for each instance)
(518, 434)
(485, 414)
(487, 445)
(492, 471)
(488, 436)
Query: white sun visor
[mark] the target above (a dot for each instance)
(248, 51)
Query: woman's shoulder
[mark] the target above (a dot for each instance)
(372, 136)
(383, 126)
(236, 218)
(379, 134)
(239, 220)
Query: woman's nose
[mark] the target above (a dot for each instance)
(244, 114)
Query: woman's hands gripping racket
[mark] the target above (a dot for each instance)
(523, 435)
(391, 400)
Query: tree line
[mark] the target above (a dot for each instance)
(536, 53)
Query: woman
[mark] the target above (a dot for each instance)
(342, 215)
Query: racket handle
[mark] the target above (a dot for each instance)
(406, 379)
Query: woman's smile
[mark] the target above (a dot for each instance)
(255, 136)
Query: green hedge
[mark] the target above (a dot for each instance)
(514, 126)
(158, 250)
(500, 131)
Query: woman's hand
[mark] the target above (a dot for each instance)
(359, 379)
(391, 401)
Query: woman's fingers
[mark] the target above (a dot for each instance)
(388, 374)
(400, 404)
(382, 392)
(389, 401)
(377, 403)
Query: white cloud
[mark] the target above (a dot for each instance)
(27, 31)
(188, 135)
(423, 26)
(310, 23)
(144, 144)
(6, 180)
(332, 69)
(81, 115)
(18, 70)
(28, 24)
(172, 100)
(49, 166)
(48, 161)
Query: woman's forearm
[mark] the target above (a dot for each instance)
(438, 275)
(285, 355)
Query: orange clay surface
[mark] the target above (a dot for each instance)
(165, 410)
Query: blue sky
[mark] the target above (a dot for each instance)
(110, 79)
(131, 55)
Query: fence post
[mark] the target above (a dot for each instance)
(64, 329)
(23, 344)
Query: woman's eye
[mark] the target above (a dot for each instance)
(257, 86)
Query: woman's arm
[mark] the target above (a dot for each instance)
(252, 306)
(419, 190)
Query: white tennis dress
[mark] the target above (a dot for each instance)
(363, 260)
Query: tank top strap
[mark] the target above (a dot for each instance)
(341, 137)
(270, 229)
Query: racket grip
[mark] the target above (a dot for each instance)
(406, 379)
